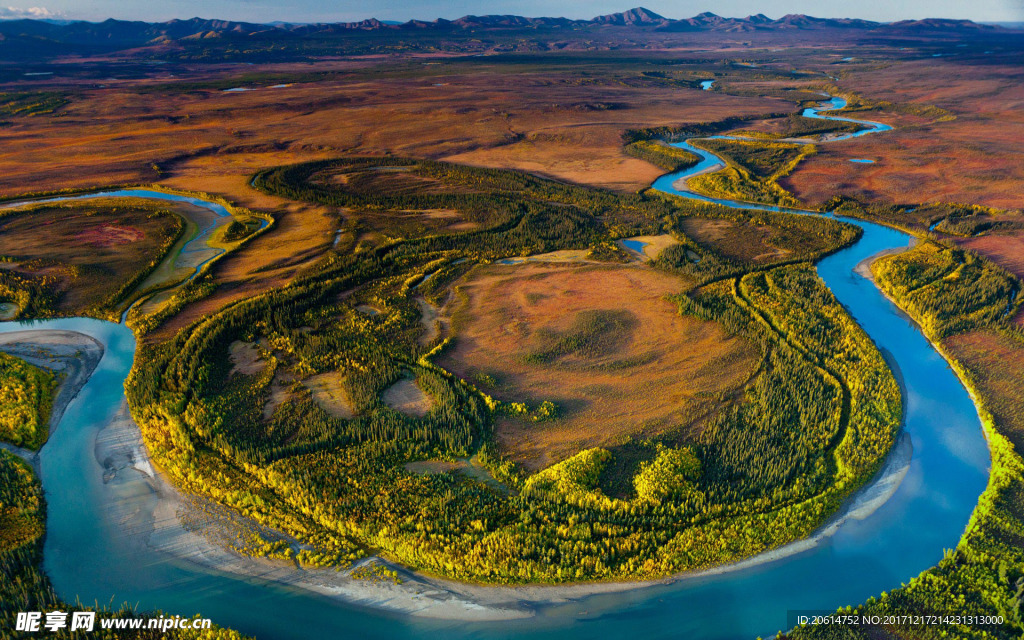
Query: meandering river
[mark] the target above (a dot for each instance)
(872, 550)
(188, 256)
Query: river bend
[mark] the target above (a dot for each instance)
(925, 504)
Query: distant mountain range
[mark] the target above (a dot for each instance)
(129, 33)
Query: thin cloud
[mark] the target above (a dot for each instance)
(37, 13)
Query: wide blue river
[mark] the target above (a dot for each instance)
(86, 558)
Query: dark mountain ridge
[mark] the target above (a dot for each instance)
(134, 33)
(36, 42)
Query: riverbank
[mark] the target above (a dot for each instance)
(168, 550)
(186, 533)
(70, 355)
(155, 516)
(683, 184)
(863, 267)
(152, 514)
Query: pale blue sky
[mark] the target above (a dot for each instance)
(348, 10)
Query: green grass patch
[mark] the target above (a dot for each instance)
(662, 155)
(31, 103)
(26, 398)
(798, 126)
(753, 171)
(949, 290)
(593, 334)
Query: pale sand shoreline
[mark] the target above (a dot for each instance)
(68, 353)
(863, 267)
(683, 184)
(154, 516)
(430, 597)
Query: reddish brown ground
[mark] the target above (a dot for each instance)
(1005, 248)
(301, 233)
(116, 135)
(211, 141)
(735, 240)
(88, 250)
(996, 360)
(664, 377)
(563, 120)
(110, 235)
(963, 160)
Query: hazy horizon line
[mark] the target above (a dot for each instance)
(60, 18)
